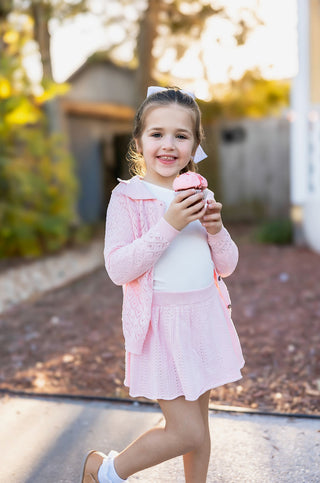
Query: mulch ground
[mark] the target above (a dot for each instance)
(69, 341)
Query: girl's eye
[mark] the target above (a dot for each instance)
(155, 135)
(181, 136)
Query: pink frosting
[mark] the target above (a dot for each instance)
(190, 180)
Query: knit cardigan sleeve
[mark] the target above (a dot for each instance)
(224, 252)
(127, 256)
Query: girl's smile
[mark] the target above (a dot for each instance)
(166, 159)
(167, 143)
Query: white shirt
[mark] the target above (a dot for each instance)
(186, 264)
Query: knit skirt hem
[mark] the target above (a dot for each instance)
(191, 397)
(191, 347)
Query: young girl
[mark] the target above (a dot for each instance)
(169, 252)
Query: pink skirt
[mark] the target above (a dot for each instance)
(191, 347)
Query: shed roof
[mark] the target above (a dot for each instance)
(103, 110)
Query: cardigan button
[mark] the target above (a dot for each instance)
(219, 278)
(229, 306)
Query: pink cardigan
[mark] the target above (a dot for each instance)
(136, 236)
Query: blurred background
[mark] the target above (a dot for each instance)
(71, 76)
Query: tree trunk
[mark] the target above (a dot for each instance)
(5, 9)
(145, 42)
(41, 15)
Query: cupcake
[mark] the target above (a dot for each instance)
(189, 180)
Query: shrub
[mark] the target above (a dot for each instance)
(38, 187)
(38, 193)
(276, 231)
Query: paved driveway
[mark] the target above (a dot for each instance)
(44, 441)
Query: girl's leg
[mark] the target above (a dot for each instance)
(184, 431)
(196, 462)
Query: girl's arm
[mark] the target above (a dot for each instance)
(224, 252)
(127, 257)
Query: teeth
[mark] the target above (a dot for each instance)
(167, 157)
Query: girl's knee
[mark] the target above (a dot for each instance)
(197, 437)
(185, 424)
(192, 437)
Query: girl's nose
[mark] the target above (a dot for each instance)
(168, 142)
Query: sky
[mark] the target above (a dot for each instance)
(272, 47)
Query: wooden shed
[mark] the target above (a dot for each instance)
(98, 111)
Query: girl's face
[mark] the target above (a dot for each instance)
(167, 143)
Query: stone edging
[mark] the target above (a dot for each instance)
(18, 284)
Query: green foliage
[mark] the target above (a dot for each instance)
(37, 196)
(277, 231)
(37, 183)
(250, 96)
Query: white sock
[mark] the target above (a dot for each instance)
(107, 472)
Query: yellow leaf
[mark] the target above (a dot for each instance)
(52, 91)
(24, 113)
(5, 88)
(11, 37)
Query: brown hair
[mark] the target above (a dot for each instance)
(172, 95)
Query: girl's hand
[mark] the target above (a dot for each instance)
(212, 219)
(186, 206)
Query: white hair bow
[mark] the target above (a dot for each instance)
(199, 154)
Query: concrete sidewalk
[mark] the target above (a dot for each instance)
(45, 440)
